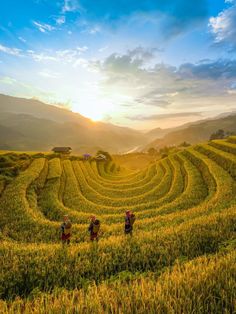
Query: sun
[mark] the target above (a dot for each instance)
(95, 110)
(92, 113)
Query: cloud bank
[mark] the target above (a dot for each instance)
(223, 27)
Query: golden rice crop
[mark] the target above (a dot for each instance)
(181, 258)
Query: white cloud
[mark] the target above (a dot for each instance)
(172, 94)
(39, 57)
(223, 26)
(70, 55)
(60, 20)
(219, 27)
(14, 87)
(70, 6)
(49, 74)
(11, 51)
(162, 87)
(82, 49)
(7, 80)
(232, 91)
(66, 56)
(94, 30)
(43, 27)
(103, 49)
(22, 39)
(81, 62)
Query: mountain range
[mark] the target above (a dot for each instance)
(31, 125)
(28, 124)
(195, 132)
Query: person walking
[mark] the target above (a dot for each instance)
(129, 222)
(66, 227)
(94, 228)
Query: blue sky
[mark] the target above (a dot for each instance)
(141, 64)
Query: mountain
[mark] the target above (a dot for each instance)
(157, 133)
(27, 124)
(195, 132)
(31, 125)
(160, 133)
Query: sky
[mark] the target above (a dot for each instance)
(142, 64)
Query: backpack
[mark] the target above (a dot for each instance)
(132, 219)
(96, 226)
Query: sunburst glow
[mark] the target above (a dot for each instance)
(151, 69)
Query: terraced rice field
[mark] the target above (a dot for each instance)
(181, 258)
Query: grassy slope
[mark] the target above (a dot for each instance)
(134, 161)
(181, 258)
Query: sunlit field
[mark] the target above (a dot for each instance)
(180, 259)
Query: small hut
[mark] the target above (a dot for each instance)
(62, 150)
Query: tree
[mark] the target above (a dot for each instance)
(152, 151)
(164, 150)
(108, 156)
(184, 144)
(220, 134)
(229, 133)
